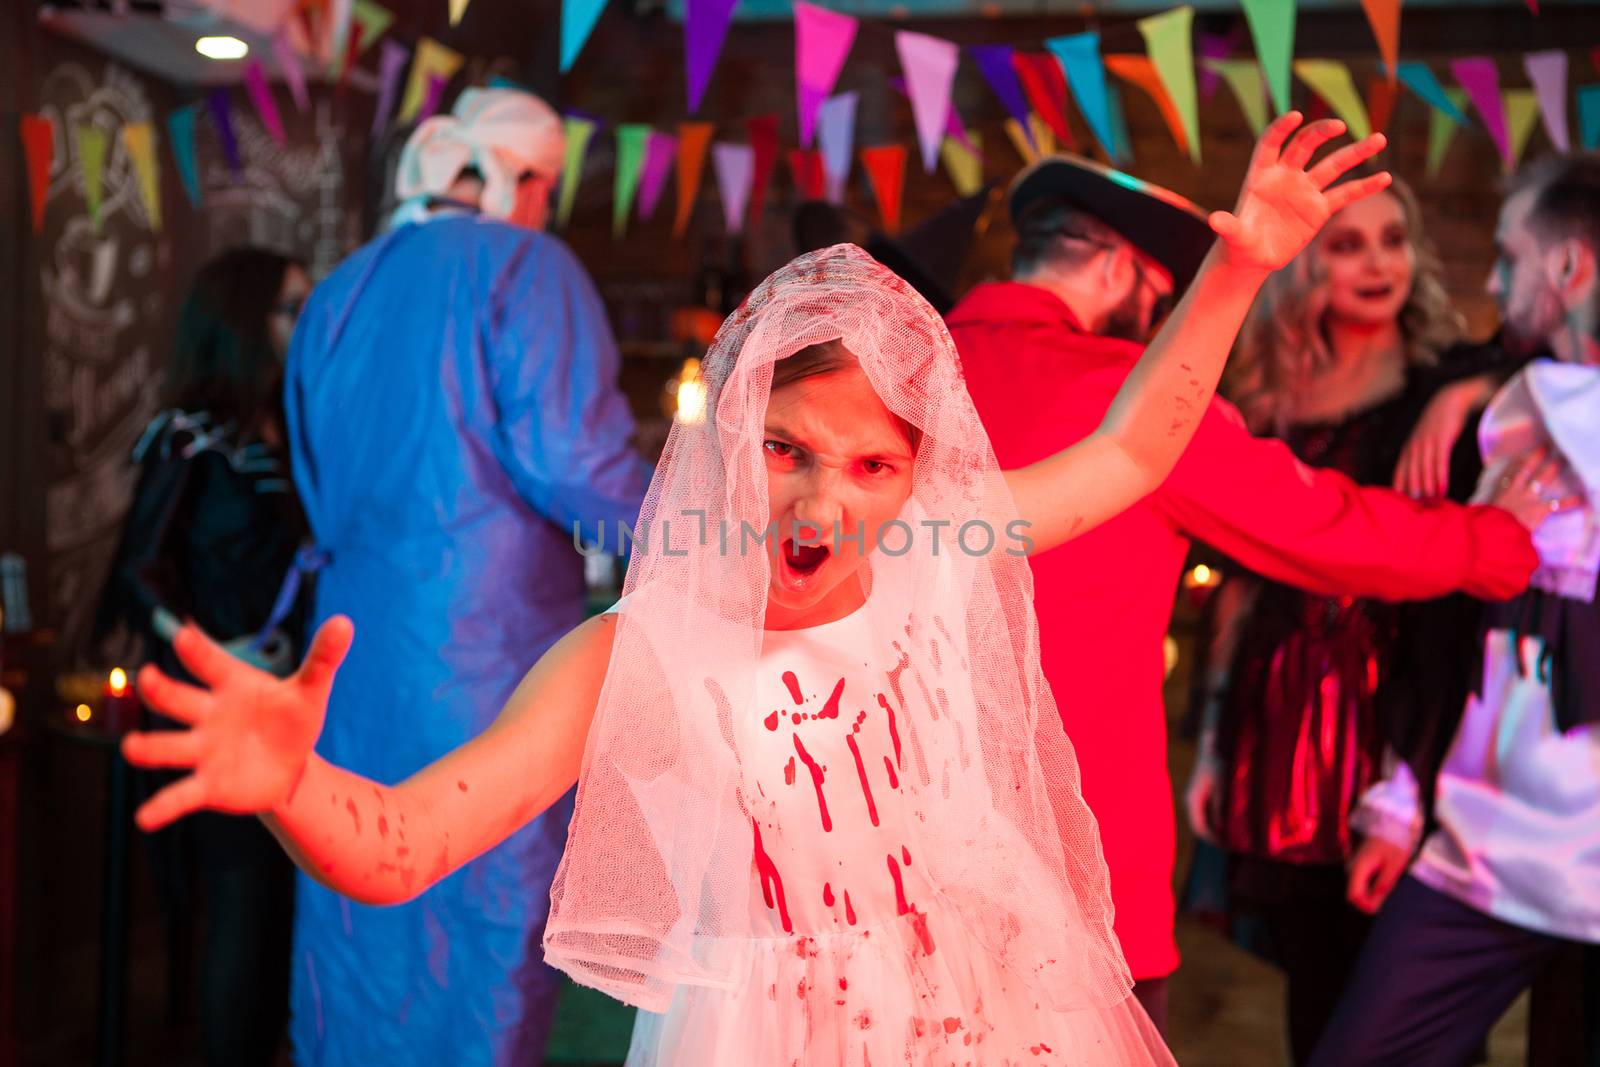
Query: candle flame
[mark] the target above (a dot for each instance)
(118, 681)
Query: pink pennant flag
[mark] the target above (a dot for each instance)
(930, 66)
(255, 83)
(390, 63)
(735, 166)
(1547, 71)
(660, 153)
(293, 73)
(822, 41)
(1478, 76)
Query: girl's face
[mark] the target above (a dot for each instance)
(286, 309)
(1369, 261)
(837, 462)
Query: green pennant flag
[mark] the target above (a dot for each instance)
(631, 141)
(1442, 128)
(92, 144)
(1272, 29)
(578, 133)
(1244, 78)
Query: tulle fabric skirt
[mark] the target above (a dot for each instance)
(876, 997)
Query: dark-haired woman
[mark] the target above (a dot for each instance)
(212, 531)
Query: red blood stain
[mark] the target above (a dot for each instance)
(796, 717)
(951, 1025)
(901, 907)
(1039, 1048)
(788, 772)
(894, 779)
(771, 882)
(863, 1021)
(827, 893)
(794, 686)
(800, 990)
(402, 852)
(861, 772)
(355, 817)
(383, 826)
(816, 780)
(919, 1027)
(771, 721)
(919, 923)
(849, 912)
(894, 732)
(966, 1039)
(905, 855)
(844, 983)
(830, 710)
(461, 785)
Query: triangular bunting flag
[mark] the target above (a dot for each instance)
(1244, 78)
(1119, 125)
(577, 23)
(368, 22)
(92, 158)
(1045, 86)
(1589, 115)
(1331, 81)
(457, 9)
(1522, 112)
(822, 41)
(1272, 28)
(1041, 134)
(432, 98)
(661, 150)
(337, 25)
(1478, 76)
(432, 60)
(180, 134)
(1384, 17)
(1139, 71)
(1381, 96)
(963, 164)
(631, 141)
(693, 140)
(836, 126)
(139, 139)
(1079, 56)
(886, 173)
(996, 65)
(1442, 127)
(1167, 38)
(1420, 80)
(763, 131)
(579, 131)
(1021, 141)
(390, 63)
(1547, 71)
(39, 146)
(255, 84)
(705, 25)
(930, 67)
(293, 73)
(222, 118)
(1210, 46)
(805, 165)
(735, 167)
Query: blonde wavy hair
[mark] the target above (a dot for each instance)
(1283, 344)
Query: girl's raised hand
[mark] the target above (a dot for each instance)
(1283, 204)
(249, 734)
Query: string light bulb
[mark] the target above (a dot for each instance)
(222, 47)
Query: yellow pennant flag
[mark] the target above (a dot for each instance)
(457, 9)
(1249, 87)
(1522, 111)
(578, 133)
(1043, 135)
(432, 60)
(963, 164)
(1331, 80)
(1442, 128)
(1019, 141)
(139, 140)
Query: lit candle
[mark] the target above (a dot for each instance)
(121, 705)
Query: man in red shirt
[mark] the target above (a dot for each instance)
(1099, 256)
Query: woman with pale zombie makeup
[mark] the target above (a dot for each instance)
(826, 810)
(1346, 355)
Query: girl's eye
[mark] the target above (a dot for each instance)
(781, 449)
(874, 466)
(1342, 246)
(1394, 240)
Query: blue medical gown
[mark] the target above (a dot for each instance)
(453, 409)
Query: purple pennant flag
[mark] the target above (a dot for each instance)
(430, 101)
(1548, 73)
(705, 24)
(255, 83)
(1478, 76)
(660, 153)
(391, 61)
(994, 62)
(1211, 46)
(836, 126)
(222, 118)
(735, 165)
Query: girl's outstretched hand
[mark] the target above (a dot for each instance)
(1283, 204)
(249, 734)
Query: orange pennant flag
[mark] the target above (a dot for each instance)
(693, 140)
(886, 170)
(1139, 71)
(1384, 15)
(1381, 96)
